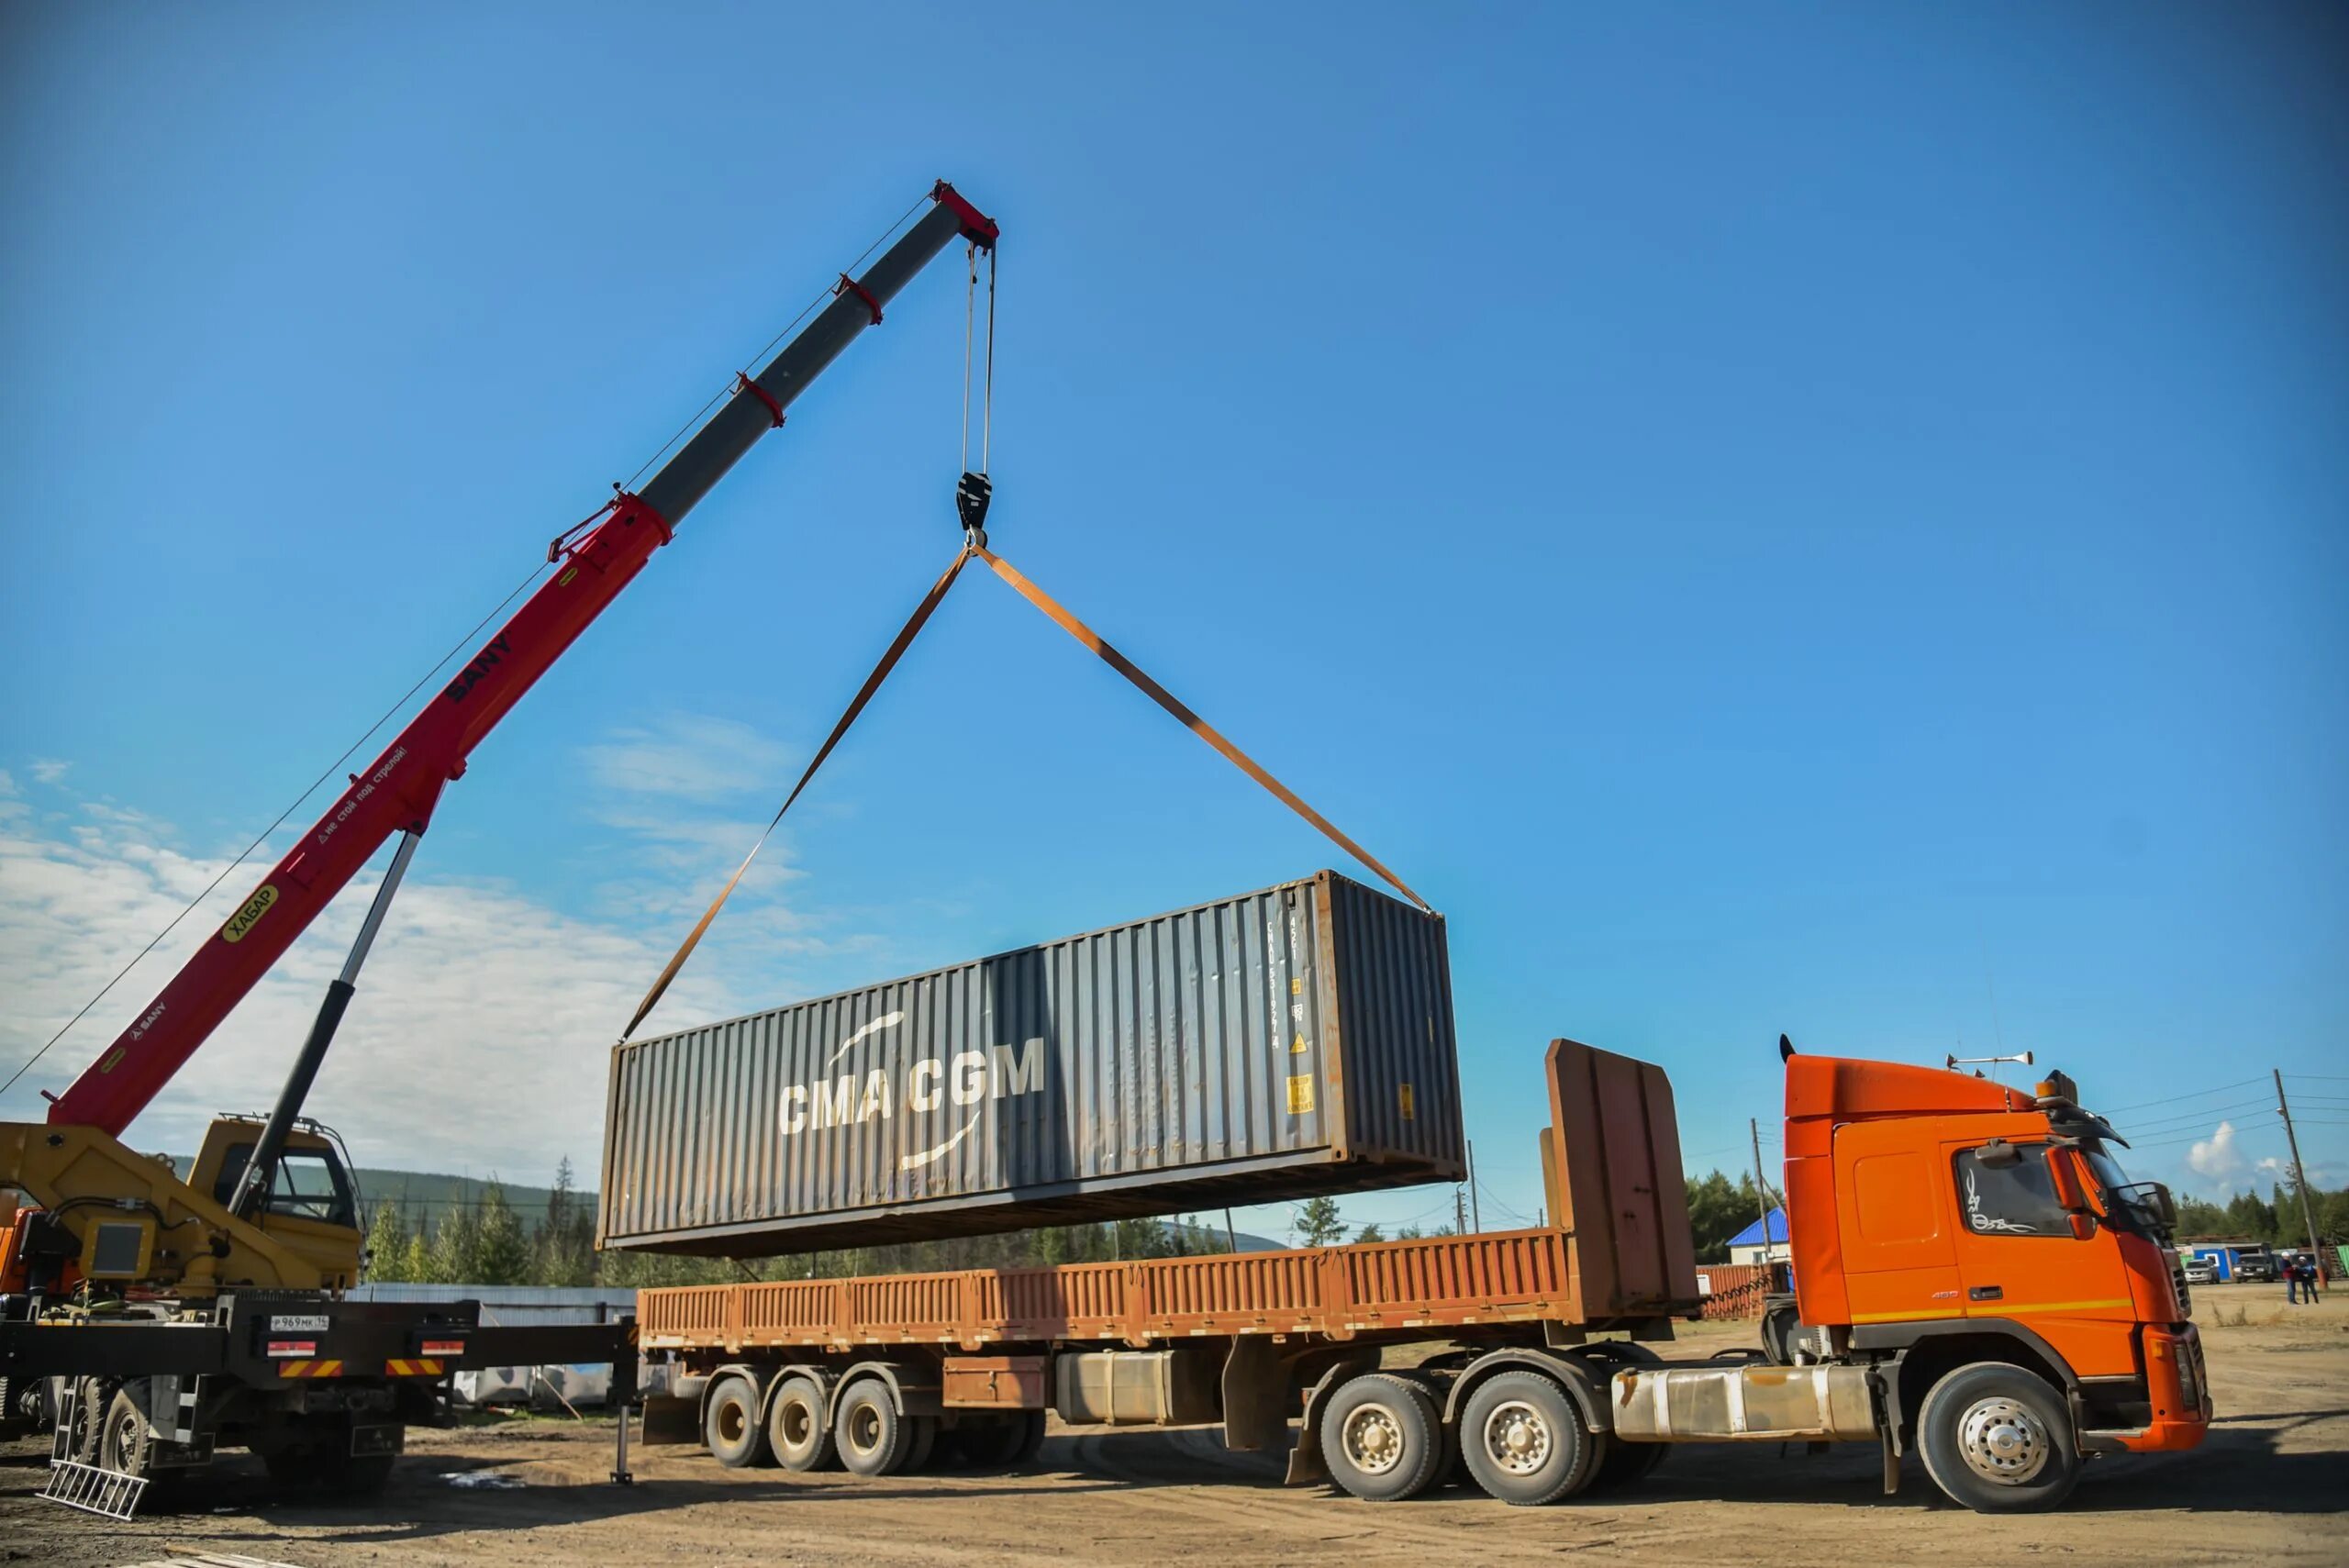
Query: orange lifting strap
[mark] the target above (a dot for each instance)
(1084, 634)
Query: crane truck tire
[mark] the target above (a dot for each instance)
(872, 1437)
(730, 1425)
(123, 1442)
(1524, 1441)
(1382, 1436)
(1998, 1439)
(797, 1429)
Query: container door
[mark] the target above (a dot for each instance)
(1899, 1260)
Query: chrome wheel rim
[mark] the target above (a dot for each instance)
(1373, 1437)
(1518, 1439)
(2004, 1441)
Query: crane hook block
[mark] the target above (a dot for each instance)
(971, 498)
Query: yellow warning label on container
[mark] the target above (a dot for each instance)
(1300, 1094)
(1298, 1046)
(1403, 1100)
(1297, 986)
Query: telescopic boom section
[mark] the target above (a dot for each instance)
(398, 791)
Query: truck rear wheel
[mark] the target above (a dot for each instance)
(730, 1425)
(1383, 1437)
(873, 1439)
(797, 1430)
(124, 1442)
(1524, 1441)
(1998, 1439)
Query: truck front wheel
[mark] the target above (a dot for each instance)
(1524, 1441)
(1998, 1439)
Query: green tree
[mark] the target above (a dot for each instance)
(1370, 1232)
(565, 1242)
(1318, 1222)
(1718, 1209)
(387, 1248)
(501, 1253)
(456, 1246)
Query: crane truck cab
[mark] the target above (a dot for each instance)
(1984, 1250)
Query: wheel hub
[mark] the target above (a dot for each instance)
(1374, 1440)
(1517, 1438)
(2003, 1441)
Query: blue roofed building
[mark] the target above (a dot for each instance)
(1748, 1247)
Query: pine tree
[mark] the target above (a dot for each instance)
(456, 1246)
(1318, 1222)
(501, 1253)
(1370, 1232)
(387, 1245)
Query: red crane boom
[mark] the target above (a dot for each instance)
(397, 791)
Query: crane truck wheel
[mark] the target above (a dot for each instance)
(873, 1438)
(1383, 1437)
(124, 1443)
(1524, 1441)
(797, 1430)
(1998, 1439)
(730, 1425)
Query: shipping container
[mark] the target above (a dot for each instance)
(1287, 1043)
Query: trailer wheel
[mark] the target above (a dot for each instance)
(730, 1425)
(1998, 1439)
(874, 1440)
(920, 1444)
(1621, 1463)
(796, 1431)
(1383, 1437)
(1524, 1441)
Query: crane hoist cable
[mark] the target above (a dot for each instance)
(1060, 615)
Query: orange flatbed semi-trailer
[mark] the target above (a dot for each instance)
(1537, 1371)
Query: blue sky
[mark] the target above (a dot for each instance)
(1823, 519)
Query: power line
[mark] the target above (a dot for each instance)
(2173, 1100)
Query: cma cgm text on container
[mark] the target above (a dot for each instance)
(1294, 1040)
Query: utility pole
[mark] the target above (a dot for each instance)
(1761, 1188)
(1459, 1212)
(2299, 1177)
(1231, 1237)
(1475, 1203)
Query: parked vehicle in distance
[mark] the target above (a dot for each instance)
(2256, 1268)
(2201, 1271)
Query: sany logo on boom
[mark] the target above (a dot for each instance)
(470, 675)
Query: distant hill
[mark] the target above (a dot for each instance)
(429, 1194)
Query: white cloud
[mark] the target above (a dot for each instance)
(479, 1035)
(689, 757)
(47, 770)
(2215, 1156)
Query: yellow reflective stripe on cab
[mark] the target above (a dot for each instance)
(1993, 1309)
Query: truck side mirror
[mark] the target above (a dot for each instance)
(2072, 1197)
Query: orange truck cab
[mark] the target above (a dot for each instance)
(1986, 1245)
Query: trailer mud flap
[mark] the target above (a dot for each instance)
(1255, 1394)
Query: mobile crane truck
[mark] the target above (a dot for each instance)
(1977, 1279)
(156, 1319)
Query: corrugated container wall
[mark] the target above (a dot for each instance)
(1276, 1045)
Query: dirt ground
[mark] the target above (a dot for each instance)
(2271, 1485)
